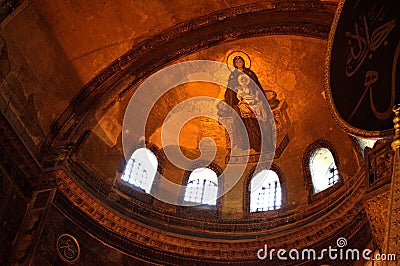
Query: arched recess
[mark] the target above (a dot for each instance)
(318, 191)
(247, 192)
(198, 209)
(310, 19)
(151, 55)
(133, 190)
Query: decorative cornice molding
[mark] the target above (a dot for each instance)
(153, 245)
(244, 244)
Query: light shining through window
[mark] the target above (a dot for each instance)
(202, 187)
(265, 192)
(141, 169)
(323, 169)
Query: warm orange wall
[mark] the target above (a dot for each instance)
(290, 65)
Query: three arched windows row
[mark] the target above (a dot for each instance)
(264, 189)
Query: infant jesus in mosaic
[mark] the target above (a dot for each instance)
(249, 101)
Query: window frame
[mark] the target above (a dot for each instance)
(203, 187)
(132, 190)
(314, 196)
(206, 208)
(246, 198)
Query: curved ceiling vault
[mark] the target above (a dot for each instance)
(311, 19)
(150, 230)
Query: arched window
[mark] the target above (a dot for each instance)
(202, 187)
(141, 169)
(323, 169)
(265, 191)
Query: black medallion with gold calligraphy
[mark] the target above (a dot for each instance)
(68, 248)
(362, 69)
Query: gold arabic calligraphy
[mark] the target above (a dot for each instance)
(363, 44)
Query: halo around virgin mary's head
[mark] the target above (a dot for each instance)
(231, 56)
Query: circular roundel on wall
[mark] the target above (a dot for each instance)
(362, 66)
(68, 248)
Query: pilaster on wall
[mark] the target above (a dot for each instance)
(32, 226)
(13, 205)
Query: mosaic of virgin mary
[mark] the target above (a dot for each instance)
(245, 99)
